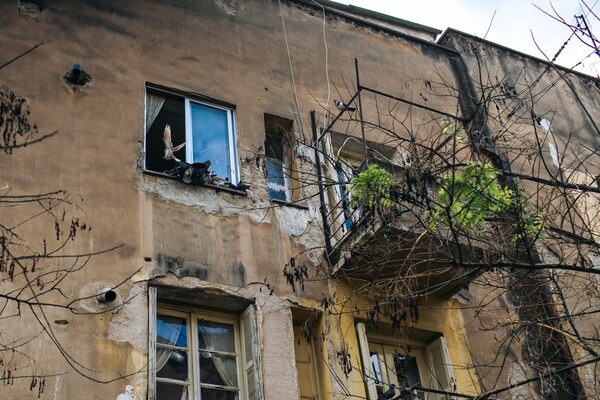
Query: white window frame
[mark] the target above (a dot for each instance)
(247, 360)
(189, 136)
(234, 171)
(427, 362)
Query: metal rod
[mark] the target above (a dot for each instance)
(589, 33)
(360, 113)
(326, 227)
(461, 119)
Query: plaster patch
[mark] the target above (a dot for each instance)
(294, 220)
(127, 394)
(517, 374)
(57, 388)
(205, 199)
(31, 8)
(130, 323)
(229, 6)
(306, 153)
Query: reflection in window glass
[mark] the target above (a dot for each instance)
(171, 330)
(210, 133)
(218, 365)
(275, 168)
(407, 370)
(172, 357)
(376, 368)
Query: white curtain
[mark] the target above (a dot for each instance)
(154, 104)
(162, 354)
(171, 336)
(226, 366)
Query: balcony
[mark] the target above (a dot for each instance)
(373, 245)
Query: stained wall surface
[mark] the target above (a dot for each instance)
(260, 57)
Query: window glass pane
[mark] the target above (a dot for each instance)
(218, 370)
(215, 336)
(275, 172)
(171, 330)
(275, 180)
(210, 133)
(172, 364)
(273, 147)
(169, 391)
(407, 370)
(376, 368)
(275, 168)
(214, 394)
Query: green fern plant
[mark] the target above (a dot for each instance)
(372, 187)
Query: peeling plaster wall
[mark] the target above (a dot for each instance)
(568, 101)
(229, 50)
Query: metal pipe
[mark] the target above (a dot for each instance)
(360, 113)
(326, 227)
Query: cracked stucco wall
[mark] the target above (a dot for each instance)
(234, 52)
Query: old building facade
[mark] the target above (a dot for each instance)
(165, 276)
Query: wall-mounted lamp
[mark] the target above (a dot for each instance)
(106, 295)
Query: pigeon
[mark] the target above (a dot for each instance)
(215, 180)
(169, 149)
(388, 394)
(343, 106)
(240, 186)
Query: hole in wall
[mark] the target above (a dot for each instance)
(31, 8)
(78, 78)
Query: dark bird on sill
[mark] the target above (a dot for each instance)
(343, 106)
(196, 173)
(169, 149)
(240, 186)
(388, 394)
(215, 180)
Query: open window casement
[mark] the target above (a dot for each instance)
(305, 353)
(251, 353)
(334, 200)
(408, 365)
(440, 367)
(369, 373)
(197, 354)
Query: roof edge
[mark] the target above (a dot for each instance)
(363, 12)
(449, 31)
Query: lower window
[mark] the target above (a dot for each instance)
(184, 340)
(412, 368)
(203, 355)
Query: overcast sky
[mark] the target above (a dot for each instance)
(511, 23)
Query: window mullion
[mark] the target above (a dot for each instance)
(233, 171)
(189, 147)
(152, 343)
(194, 356)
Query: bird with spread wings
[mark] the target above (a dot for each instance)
(169, 149)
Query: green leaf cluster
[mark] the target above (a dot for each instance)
(372, 187)
(467, 197)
